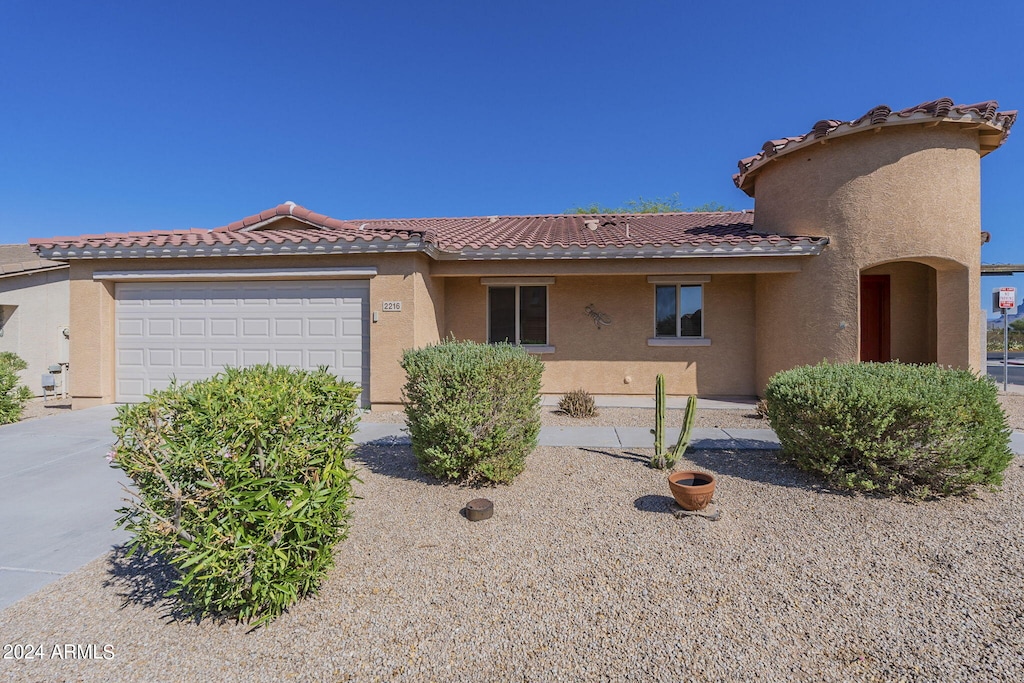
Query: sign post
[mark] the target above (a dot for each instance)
(1007, 300)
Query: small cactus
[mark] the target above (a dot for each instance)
(684, 434)
(761, 409)
(577, 403)
(658, 460)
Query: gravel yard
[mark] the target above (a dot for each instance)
(582, 574)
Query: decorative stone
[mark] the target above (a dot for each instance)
(479, 509)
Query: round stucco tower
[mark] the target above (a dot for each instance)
(898, 196)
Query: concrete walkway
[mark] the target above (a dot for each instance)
(58, 495)
(604, 437)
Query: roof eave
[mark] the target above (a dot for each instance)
(305, 247)
(796, 247)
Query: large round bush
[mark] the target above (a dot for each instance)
(241, 484)
(918, 430)
(473, 410)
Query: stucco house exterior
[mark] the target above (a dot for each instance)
(865, 244)
(34, 298)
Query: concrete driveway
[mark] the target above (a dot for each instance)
(57, 498)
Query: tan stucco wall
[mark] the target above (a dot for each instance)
(617, 359)
(901, 193)
(34, 311)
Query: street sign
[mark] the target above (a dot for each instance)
(1007, 297)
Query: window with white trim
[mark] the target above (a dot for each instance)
(517, 314)
(677, 311)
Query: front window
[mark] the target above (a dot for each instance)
(677, 311)
(517, 315)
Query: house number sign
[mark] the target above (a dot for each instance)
(392, 306)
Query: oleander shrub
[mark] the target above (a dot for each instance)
(473, 410)
(892, 428)
(242, 485)
(13, 394)
(577, 403)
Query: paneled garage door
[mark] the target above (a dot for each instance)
(192, 330)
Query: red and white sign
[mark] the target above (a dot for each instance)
(1007, 297)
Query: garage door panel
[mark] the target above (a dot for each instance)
(223, 327)
(130, 328)
(288, 327)
(256, 327)
(193, 330)
(290, 357)
(223, 358)
(160, 358)
(322, 327)
(192, 358)
(131, 358)
(192, 327)
(160, 327)
(255, 356)
(318, 357)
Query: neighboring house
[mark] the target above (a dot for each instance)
(865, 245)
(34, 298)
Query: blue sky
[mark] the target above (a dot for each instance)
(140, 116)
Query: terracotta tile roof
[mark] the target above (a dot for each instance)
(219, 237)
(565, 231)
(437, 236)
(287, 209)
(997, 124)
(21, 258)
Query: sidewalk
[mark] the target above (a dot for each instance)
(605, 437)
(626, 437)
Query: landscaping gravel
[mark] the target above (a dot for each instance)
(583, 574)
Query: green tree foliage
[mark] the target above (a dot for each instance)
(242, 484)
(670, 204)
(917, 430)
(473, 410)
(13, 394)
(1017, 325)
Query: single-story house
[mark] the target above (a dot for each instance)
(864, 244)
(34, 296)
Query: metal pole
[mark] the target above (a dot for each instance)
(1006, 347)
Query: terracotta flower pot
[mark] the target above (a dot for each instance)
(692, 490)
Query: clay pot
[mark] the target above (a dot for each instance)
(692, 490)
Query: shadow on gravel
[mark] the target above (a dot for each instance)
(753, 465)
(760, 466)
(652, 503)
(391, 459)
(143, 580)
(620, 455)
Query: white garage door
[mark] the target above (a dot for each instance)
(192, 330)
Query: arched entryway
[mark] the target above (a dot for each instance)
(899, 313)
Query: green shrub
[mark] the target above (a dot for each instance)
(12, 394)
(473, 410)
(917, 430)
(577, 403)
(242, 484)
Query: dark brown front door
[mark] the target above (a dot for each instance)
(874, 318)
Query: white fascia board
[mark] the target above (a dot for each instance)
(786, 248)
(221, 250)
(236, 274)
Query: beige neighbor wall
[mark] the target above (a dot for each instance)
(901, 193)
(34, 308)
(400, 277)
(616, 359)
